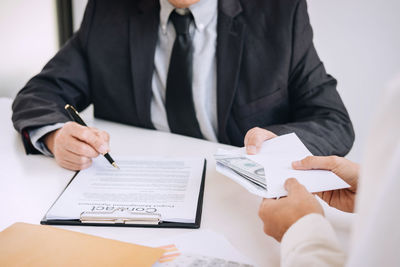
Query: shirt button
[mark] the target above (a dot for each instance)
(164, 29)
(201, 26)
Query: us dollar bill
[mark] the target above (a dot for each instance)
(248, 169)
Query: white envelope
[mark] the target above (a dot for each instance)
(276, 156)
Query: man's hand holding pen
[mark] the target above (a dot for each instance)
(74, 145)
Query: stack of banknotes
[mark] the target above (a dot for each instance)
(246, 168)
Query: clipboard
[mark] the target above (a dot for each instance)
(123, 218)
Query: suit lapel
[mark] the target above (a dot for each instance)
(230, 33)
(143, 34)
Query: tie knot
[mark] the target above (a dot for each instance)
(181, 22)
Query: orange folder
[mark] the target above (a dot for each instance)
(37, 245)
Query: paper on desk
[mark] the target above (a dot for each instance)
(169, 187)
(276, 156)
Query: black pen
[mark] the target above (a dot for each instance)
(73, 113)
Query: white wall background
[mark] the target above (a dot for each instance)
(28, 31)
(358, 41)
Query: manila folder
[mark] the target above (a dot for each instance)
(36, 245)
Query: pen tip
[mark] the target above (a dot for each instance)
(115, 165)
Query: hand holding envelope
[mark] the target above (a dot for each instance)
(276, 156)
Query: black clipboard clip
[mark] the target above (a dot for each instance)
(120, 216)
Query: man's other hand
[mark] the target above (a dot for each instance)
(279, 215)
(74, 146)
(254, 139)
(342, 199)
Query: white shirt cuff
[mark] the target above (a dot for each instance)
(36, 134)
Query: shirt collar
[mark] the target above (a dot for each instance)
(203, 12)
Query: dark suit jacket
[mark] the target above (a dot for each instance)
(268, 73)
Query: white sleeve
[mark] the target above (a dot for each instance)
(311, 241)
(376, 232)
(36, 134)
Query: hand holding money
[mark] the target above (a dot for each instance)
(254, 139)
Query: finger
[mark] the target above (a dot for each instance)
(256, 139)
(265, 206)
(293, 187)
(65, 163)
(267, 201)
(320, 194)
(80, 148)
(104, 135)
(89, 136)
(247, 136)
(251, 133)
(101, 133)
(74, 167)
(76, 159)
(316, 162)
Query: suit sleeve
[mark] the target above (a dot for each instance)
(63, 80)
(319, 116)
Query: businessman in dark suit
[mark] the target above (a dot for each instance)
(230, 71)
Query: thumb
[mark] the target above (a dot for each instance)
(293, 187)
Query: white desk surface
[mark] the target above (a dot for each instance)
(30, 184)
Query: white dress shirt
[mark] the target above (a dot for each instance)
(204, 37)
(311, 241)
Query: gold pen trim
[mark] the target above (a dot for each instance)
(72, 107)
(115, 165)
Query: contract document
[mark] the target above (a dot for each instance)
(264, 174)
(169, 188)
